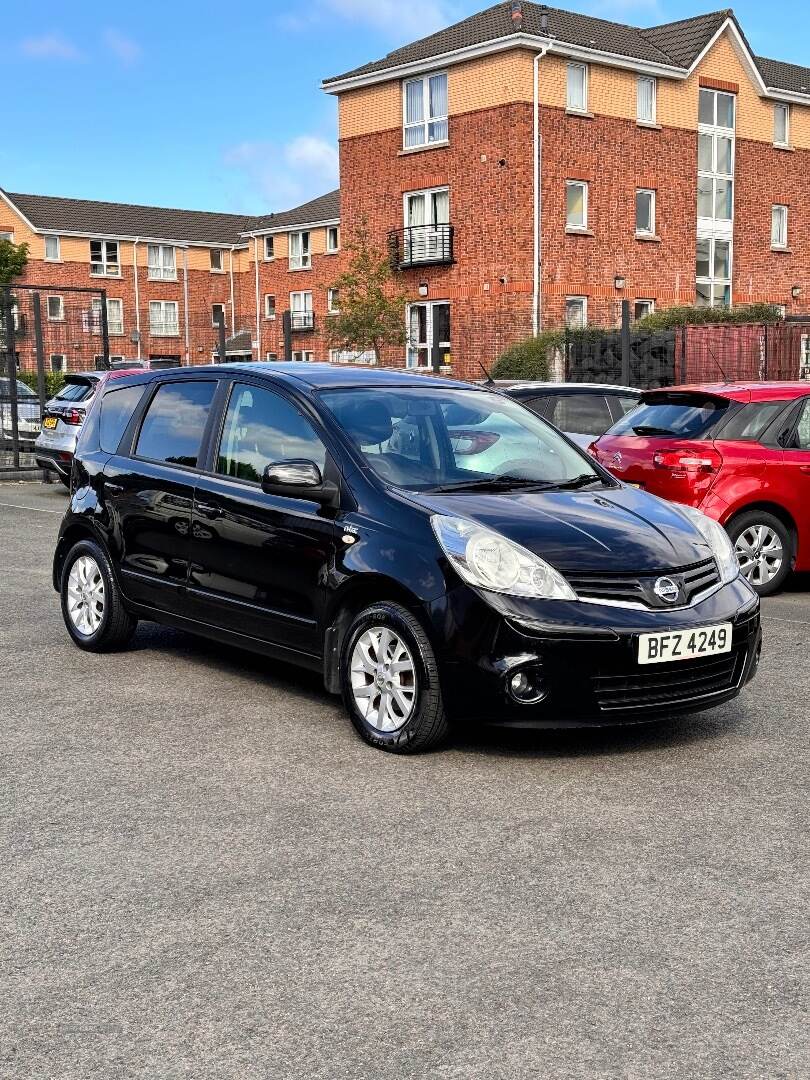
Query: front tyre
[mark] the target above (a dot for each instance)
(92, 606)
(390, 681)
(764, 549)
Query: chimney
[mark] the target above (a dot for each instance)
(517, 14)
(544, 23)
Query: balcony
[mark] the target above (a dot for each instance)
(420, 245)
(302, 320)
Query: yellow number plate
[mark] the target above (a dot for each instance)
(49, 422)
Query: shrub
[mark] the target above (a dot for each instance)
(54, 381)
(685, 315)
(528, 359)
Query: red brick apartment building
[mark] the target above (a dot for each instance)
(525, 167)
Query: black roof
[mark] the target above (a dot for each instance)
(676, 44)
(323, 376)
(324, 208)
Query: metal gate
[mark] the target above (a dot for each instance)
(44, 329)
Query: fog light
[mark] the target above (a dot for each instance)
(526, 686)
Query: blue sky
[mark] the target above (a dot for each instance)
(218, 106)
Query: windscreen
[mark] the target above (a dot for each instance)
(23, 391)
(76, 390)
(683, 416)
(434, 439)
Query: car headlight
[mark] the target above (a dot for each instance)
(718, 540)
(488, 560)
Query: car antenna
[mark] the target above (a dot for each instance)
(490, 380)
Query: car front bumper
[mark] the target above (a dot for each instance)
(583, 659)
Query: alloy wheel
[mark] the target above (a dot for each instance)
(383, 678)
(85, 595)
(760, 554)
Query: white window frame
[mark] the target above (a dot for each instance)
(412, 348)
(582, 301)
(161, 270)
(585, 186)
(58, 356)
(330, 231)
(115, 324)
(332, 302)
(779, 211)
(302, 356)
(6, 235)
(651, 230)
(224, 313)
(58, 256)
(427, 119)
(98, 359)
(269, 248)
(643, 300)
(104, 267)
(164, 327)
(303, 259)
(221, 253)
(782, 107)
(582, 110)
(651, 120)
(269, 309)
(55, 318)
(436, 236)
(305, 309)
(710, 279)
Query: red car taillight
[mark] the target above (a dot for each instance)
(72, 416)
(593, 451)
(688, 461)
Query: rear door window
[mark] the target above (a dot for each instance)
(173, 428)
(751, 421)
(117, 408)
(581, 414)
(682, 416)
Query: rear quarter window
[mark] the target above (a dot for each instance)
(683, 416)
(751, 421)
(117, 407)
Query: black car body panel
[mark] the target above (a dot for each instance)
(215, 554)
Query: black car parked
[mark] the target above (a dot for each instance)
(334, 517)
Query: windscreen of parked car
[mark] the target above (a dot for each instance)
(436, 439)
(76, 390)
(23, 391)
(679, 415)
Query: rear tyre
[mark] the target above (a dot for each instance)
(390, 681)
(764, 547)
(92, 606)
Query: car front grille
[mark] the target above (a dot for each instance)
(639, 589)
(671, 683)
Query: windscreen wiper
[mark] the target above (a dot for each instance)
(651, 429)
(491, 483)
(579, 481)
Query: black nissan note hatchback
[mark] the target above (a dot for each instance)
(436, 550)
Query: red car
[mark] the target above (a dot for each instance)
(740, 452)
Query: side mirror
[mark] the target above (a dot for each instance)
(299, 478)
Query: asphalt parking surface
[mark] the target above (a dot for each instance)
(206, 874)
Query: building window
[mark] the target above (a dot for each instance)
(645, 212)
(779, 227)
(301, 317)
(427, 226)
(269, 306)
(99, 363)
(332, 239)
(302, 356)
(576, 96)
(428, 335)
(161, 265)
(55, 309)
(52, 249)
(576, 204)
(716, 109)
(115, 315)
(424, 108)
(576, 312)
(781, 125)
(163, 321)
(269, 248)
(217, 313)
(352, 356)
(6, 235)
(104, 258)
(217, 260)
(646, 93)
(642, 308)
(300, 254)
(58, 362)
(332, 302)
(713, 272)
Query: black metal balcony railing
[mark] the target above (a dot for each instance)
(302, 320)
(420, 245)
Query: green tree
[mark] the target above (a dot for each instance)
(371, 313)
(13, 259)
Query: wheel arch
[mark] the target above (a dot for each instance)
(77, 530)
(775, 510)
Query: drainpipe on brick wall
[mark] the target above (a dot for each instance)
(258, 308)
(536, 193)
(185, 301)
(233, 309)
(137, 294)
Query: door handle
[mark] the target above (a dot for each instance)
(209, 511)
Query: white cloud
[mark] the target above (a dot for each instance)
(283, 175)
(121, 46)
(50, 47)
(403, 21)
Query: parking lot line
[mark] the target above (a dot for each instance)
(36, 509)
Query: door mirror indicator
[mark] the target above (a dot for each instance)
(298, 479)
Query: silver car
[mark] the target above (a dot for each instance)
(27, 413)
